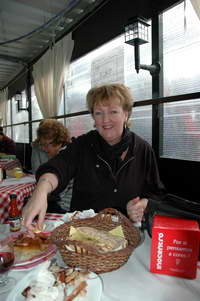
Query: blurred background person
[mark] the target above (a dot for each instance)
(7, 145)
(52, 137)
(38, 155)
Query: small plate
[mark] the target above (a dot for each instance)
(45, 255)
(32, 261)
(94, 288)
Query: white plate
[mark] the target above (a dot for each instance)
(30, 268)
(45, 255)
(29, 263)
(94, 288)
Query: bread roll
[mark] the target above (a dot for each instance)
(102, 240)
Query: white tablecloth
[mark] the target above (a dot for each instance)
(134, 282)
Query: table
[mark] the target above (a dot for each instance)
(22, 187)
(134, 282)
(9, 164)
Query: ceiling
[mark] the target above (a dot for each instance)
(29, 27)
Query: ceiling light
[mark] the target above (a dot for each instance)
(59, 28)
(90, 1)
(69, 20)
(78, 11)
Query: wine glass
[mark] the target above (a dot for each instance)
(6, 262)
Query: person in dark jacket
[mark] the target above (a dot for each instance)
(111, 166)
(7, 145)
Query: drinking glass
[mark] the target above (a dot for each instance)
(6, 262)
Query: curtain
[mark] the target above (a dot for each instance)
(3, 106)
(48, 74)
(196, 6)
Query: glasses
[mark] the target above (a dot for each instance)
(47, 144)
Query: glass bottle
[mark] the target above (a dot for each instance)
(14, 214)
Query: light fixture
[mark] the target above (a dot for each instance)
(18, 99)
(59, 27)
(69, 20)
(78, 11)
(136, 34)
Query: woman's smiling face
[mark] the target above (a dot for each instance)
(110, 118)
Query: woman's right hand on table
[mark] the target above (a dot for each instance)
(36, 207)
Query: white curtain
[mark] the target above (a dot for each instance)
(3, 106)
(196, 6)
(48, 74)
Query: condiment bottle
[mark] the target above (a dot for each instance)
(14, 214)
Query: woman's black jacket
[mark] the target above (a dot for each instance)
(95, 186)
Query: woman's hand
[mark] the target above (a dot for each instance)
(36, 207)
(135, 209)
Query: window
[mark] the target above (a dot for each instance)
(36, 113)
(114, 62)
(181, 48)
(107, 64)
(79, 125)
(181, 123)
(141, 122)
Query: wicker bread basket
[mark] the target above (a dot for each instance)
(86, 257)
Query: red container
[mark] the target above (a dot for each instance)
(175, 246)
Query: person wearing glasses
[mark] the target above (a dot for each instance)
(111, 165)
(38, 155)
(52, 137)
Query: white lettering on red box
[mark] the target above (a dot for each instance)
(159, 251)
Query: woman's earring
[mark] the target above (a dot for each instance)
(94, 125)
